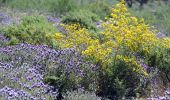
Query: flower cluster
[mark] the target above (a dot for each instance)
(80, 38)
(22, 82)
(24, 67)
(9, 93)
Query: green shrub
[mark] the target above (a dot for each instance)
(164, 61)
(84, 17)
(101, 8)
(161, 60)
(62, 6)
(32, 29)
(118, 81)
(21, 4)
(57, 6)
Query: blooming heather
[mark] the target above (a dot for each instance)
(23, 67)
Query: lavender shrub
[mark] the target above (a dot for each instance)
(24, 66)
(23, 82)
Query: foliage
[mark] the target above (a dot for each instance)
(84, 17)
(118, 81)
(101, 8)
(160, 60)
(57, 7)
(60, 6)
(32, 29)
(50, 5)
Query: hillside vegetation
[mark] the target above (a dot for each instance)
(84, 50)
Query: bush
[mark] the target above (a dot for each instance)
(161, 60)
(101, 8)
(118, 81)
(32, 29)
(21, 4)
(61, 6)
(84, 17)
(55, 6)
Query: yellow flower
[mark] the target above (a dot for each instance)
(121, 32)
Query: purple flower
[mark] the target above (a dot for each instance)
(25, 65)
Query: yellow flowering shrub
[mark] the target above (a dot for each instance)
(128, 31)
(84, 42)
(121, 31)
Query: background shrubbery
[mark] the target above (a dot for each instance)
(155, 12)
(32, 29)
(59, 7)
(85, 18)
